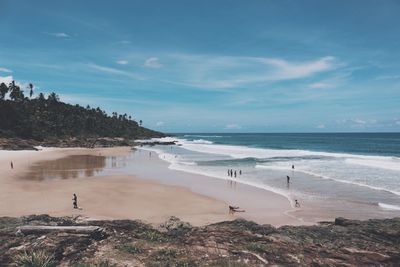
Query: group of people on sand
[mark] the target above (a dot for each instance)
(233, 173)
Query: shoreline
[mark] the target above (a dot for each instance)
(197, 204)
(262, 206)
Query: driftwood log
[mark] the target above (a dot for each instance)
(94, 231)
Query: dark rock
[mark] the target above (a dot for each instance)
(345, 222)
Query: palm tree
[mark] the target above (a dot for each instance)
(15, 92)
(31, 91)
(3, 90)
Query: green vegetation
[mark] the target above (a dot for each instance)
(167, 253)
(257, 247)
(41, 118)
(132, 249)
(154, 236)
(35, 259)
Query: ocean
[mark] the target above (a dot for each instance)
(335, 172)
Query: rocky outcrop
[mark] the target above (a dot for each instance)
(235, 243)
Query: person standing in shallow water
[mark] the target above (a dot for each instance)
(75, 201)
(12, 165)
(287, 178)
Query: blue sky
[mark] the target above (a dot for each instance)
(213, 66)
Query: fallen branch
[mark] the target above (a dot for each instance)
(44, 229)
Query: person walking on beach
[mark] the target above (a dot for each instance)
(235, 174)
(231, 173)
(296, 203)
(12, 165)
(75, 201)
(233, 209)
(240, 172)
(292, 167)
(287, 178)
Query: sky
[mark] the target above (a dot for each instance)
(213, 66)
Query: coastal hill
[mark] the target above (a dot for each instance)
(48, 119)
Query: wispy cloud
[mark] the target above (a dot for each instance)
(109, 70)
(124, 42)
(160, 123)
(388, 77)
(322, 85)
(5, 70)
(357, 122)
(205, 71)
(233, 126)
(58, 34)
(6, 79)
(321, 126)
(152, 62)
(122, 62)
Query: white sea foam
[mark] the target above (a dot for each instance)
(373, 172)
(324, 176)
(201, 141)
(388, 163)
(388, 206)
(240, 152)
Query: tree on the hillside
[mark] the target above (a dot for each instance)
(53, 97)
(31, 90)
(140, 123)
(16, 93)
(41, 97)
(3, 90)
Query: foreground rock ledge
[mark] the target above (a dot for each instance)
(175, 243)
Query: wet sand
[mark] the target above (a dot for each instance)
(112, 183)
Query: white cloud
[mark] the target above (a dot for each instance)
(233, 126)
(359, 121)
(152, 62)
(122, 62)
(58, 34)
(114, 71)
(321, 85)
(160, 123)
(321, 126)
(125, 42)
(5, 70)
(218, 72)
(388, 77)
(6, 79)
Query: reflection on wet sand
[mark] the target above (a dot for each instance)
(68, 167)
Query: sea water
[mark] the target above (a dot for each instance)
(334, 171)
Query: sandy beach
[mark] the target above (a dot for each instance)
(145, 190)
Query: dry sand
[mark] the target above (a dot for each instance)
(119, 196)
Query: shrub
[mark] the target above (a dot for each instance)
(132, 249)
(35, 259)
